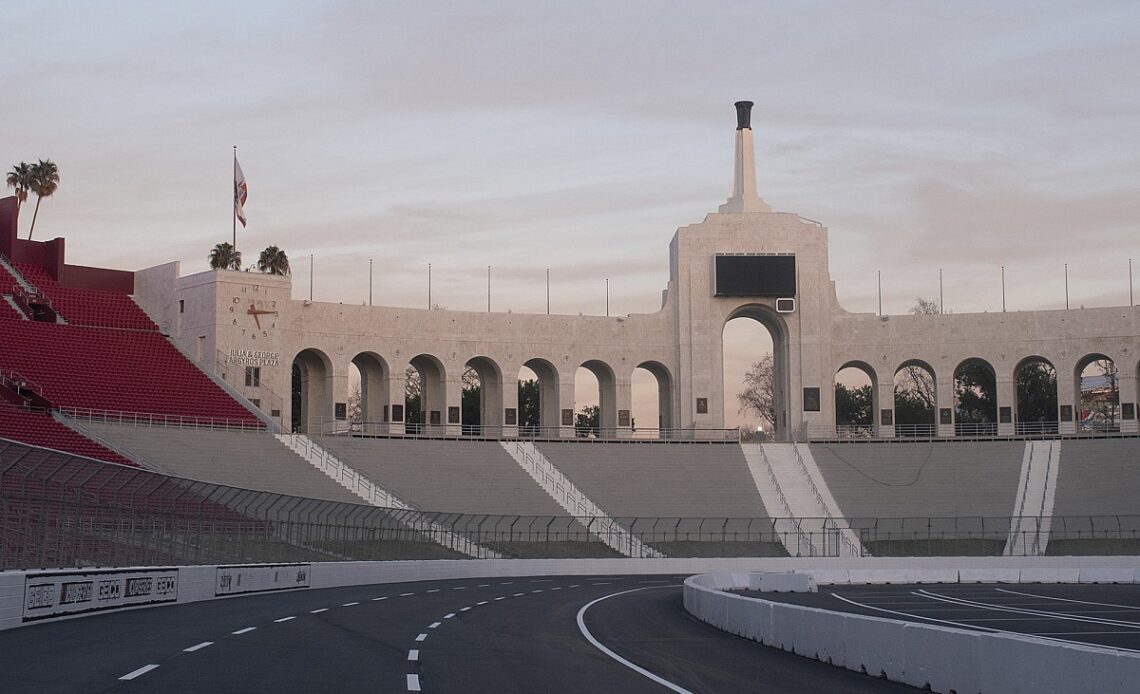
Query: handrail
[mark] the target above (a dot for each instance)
(1044, 495)
(801, 536)
(819, 498)
(329, 426)
(14, 379)
(1015, 531)
(170, 421)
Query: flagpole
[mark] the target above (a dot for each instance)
(235, 198)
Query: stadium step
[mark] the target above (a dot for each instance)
(574, 500)
(1036, 493)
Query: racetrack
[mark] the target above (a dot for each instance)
(470, 635)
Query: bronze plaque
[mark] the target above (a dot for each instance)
(811, 399)
(434, 418)
(944, 416)
(510, 416)
(567, 418)
(397, 413)
(702, 405)
(453, 415)
(1005, 415)
(887, 417)
(1066, 413)
(623, 418)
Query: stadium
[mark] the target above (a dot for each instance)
(186, 442)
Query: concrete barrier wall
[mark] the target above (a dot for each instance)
(197, 583)
(922, 655)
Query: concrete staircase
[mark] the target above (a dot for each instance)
(1036, 492)
(788, 479)
(575, 501)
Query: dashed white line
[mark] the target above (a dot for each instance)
(481, 602)
(603, 583)
(349, 604)
(433, 625)
(537, 591)
(404, 595)
(449, 615)
(506, 583)
(141, 671)
(574, 586)
(459, 588)
(246, 630)
(557, 588)
(483, 585)
(382, 597)
(519, 595)
(413, 683)
(464, 609)
(414, 655)
(283, 619)
(501, 597)
(319, 610)
(421, 637)
(198, 647)
(434, 590)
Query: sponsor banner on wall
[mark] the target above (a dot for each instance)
(260, 578)
(60, 593)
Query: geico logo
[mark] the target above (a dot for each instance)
(110, 590)
(165, 585)
(137, 587)
(40, 596)
(76, 592)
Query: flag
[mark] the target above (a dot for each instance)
(241, 192)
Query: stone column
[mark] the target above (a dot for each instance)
(944, 392)
(451, 414)
(1067, 396)
(396, 384)
(624, 407)
(884, 400)
(1127, 387)
(510, 402)
(1006, 397)
(565, 404)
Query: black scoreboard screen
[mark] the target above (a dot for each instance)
(755, 275)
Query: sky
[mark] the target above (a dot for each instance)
(578, 136)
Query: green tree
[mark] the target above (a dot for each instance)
(225, 257)
(975, 392)
(854, 406)
(759, 395)
(471, 401)
(1036, 393)
(20, 178)
(45, 181)
(587, 422)
(274, 261)
(413, 417)
(530, 413)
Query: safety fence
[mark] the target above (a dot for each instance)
(59, 510)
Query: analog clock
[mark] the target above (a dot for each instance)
(257, 317)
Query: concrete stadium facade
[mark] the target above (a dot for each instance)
(229, 320)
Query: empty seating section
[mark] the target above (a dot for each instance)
(471, 477)
(39, 429)
(662, 481)
(88, 306)
(249, 460)
(110, 369)
(8, 286)
(1098, 478)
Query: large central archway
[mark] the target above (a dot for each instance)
(775, 383)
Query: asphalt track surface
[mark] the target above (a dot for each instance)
(1102, 615)
(473, 635)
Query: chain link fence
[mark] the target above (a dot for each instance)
(60, 510)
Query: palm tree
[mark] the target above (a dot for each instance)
(45, 180)
(20, 178)
(274, 261)
(225, 257)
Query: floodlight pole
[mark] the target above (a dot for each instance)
(941, 300)
(880, 272)
(1003, 289)
(370, 281)
(310, 278)
(548, 291)
(607, 297)
(429, 286)
(1066, 286)
(1130, 302)
(488, 289)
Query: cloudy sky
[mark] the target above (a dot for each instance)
(579, 136)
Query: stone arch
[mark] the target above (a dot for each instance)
(312, 391)
(489, 404)
(915, 399)
(859, 426)
(607, 396)
(431, 414)
(781, 372)
(1096, 387)
(1035, 402)
(975, 398)
(548, 417)
(664, 379)
(375, 389)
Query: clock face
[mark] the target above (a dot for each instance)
(257, 318)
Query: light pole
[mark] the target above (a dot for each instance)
(1066, 286)
(548, 291)
(310, 278)
(429, 286)
(1003, 289)
(370, 281)
(607, 297)
(941, 299)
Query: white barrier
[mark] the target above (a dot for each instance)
(921, 655)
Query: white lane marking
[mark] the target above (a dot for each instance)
(319, 610)
(460, 588)
(141, 671)
(421, 637)
(464, 609)
(283, 619)
(1036, 613)
(501, 597)
(434, 590)
(519, 595)
(198, 647)
(404, 595)
(975, 627)
(1130, 608)
(603, 583)
(349, 604)
(481, 602)
(537, 591)
(483, 585)
(574, 586)
(413, 683)
(449, 615)
(246, 630)
(414, 654)
(557, 588)
(382, 597)
(598, 644)
(433, 625)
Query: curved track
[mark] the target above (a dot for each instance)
(471, 635)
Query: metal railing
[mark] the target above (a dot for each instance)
(965, 431)
(60, 510)
(169, 421)
(326, 426)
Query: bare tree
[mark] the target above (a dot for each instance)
(355, 410)
(759, 394)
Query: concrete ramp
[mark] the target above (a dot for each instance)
(1036, 492)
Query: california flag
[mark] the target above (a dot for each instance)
(241, 192)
